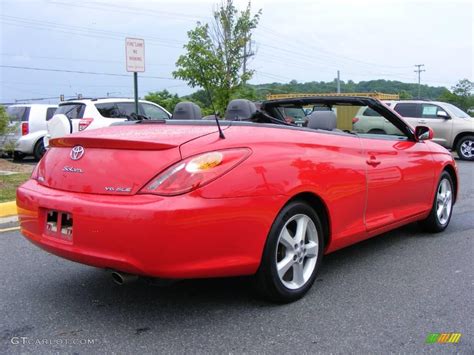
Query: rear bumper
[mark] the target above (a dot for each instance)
(176, 237)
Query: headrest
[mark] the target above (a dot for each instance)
(326, 120)
(186, 111)
(240, 109)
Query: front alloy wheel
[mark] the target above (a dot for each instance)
(292, 254)
(465, 148)
(444, 201)
(442, 208)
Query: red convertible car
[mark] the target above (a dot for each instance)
(254, 195)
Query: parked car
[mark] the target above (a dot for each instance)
(29, 127)
(369, 121)
(249, 195)
(453, 128)
(78, 115)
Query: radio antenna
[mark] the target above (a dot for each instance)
(208, 92)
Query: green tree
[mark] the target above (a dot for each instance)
(163, 98)
(5, 128)
(4, 121)
(461, 95)
(215, 55)
(405, 95)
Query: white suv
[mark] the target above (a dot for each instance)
(78, 115)
(29, 122)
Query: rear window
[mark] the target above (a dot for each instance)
(72, 110)
(50, 113)
(408, 109)
(18, 113)
(370, 112)
(116, 109)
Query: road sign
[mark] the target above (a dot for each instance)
(135, 54)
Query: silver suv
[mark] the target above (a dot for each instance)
(29, 127)
(453, 128)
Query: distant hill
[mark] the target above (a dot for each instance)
(405, 90)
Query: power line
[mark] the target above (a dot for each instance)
(129, 9)
(84, 31)
(83, 72)
(279, 36)
(75, 59)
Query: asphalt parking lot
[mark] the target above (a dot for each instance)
(382, 295)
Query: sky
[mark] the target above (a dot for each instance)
(295, 40)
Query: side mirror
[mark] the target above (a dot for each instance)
(443, 114)
(423, 133)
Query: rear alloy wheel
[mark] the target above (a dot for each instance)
(292, 254)
(465, 148)
(39, 150)
(442, 209)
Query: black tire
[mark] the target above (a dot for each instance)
(18, 156)
(432, 223)
(465, 142)
(267, 281)
(39, 150)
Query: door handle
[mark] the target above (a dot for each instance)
(422, 121)
(373, 161)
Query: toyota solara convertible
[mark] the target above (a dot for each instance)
(254, 194)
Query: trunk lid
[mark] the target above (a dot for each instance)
(117, 160)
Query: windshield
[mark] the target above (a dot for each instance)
(71, 110)
(292, 114)
(457, 111)
(17, 113)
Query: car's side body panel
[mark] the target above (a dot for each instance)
(329, 165)
(367, 185)
(400, 177)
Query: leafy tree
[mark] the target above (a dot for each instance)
(4, 121)
(216, 54)
(6, 128)
(405, 95)
(461, 96)
(464, 88)
(163, 98)
(406, 90)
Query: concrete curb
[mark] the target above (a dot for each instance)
(8, 209)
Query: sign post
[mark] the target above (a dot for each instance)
(135, 58)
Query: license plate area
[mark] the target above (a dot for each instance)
(59, 225)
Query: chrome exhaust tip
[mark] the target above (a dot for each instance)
(121, 278)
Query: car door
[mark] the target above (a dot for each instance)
(431, 115)
(400, 175)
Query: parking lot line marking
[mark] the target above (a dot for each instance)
(9, 229)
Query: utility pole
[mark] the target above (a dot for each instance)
(338, 82)
(419, 70)
(247, 54)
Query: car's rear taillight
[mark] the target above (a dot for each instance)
(84, 123)
(24, 128)
(355, 120)
(194, 172)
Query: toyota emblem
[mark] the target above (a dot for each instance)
(77, 152)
